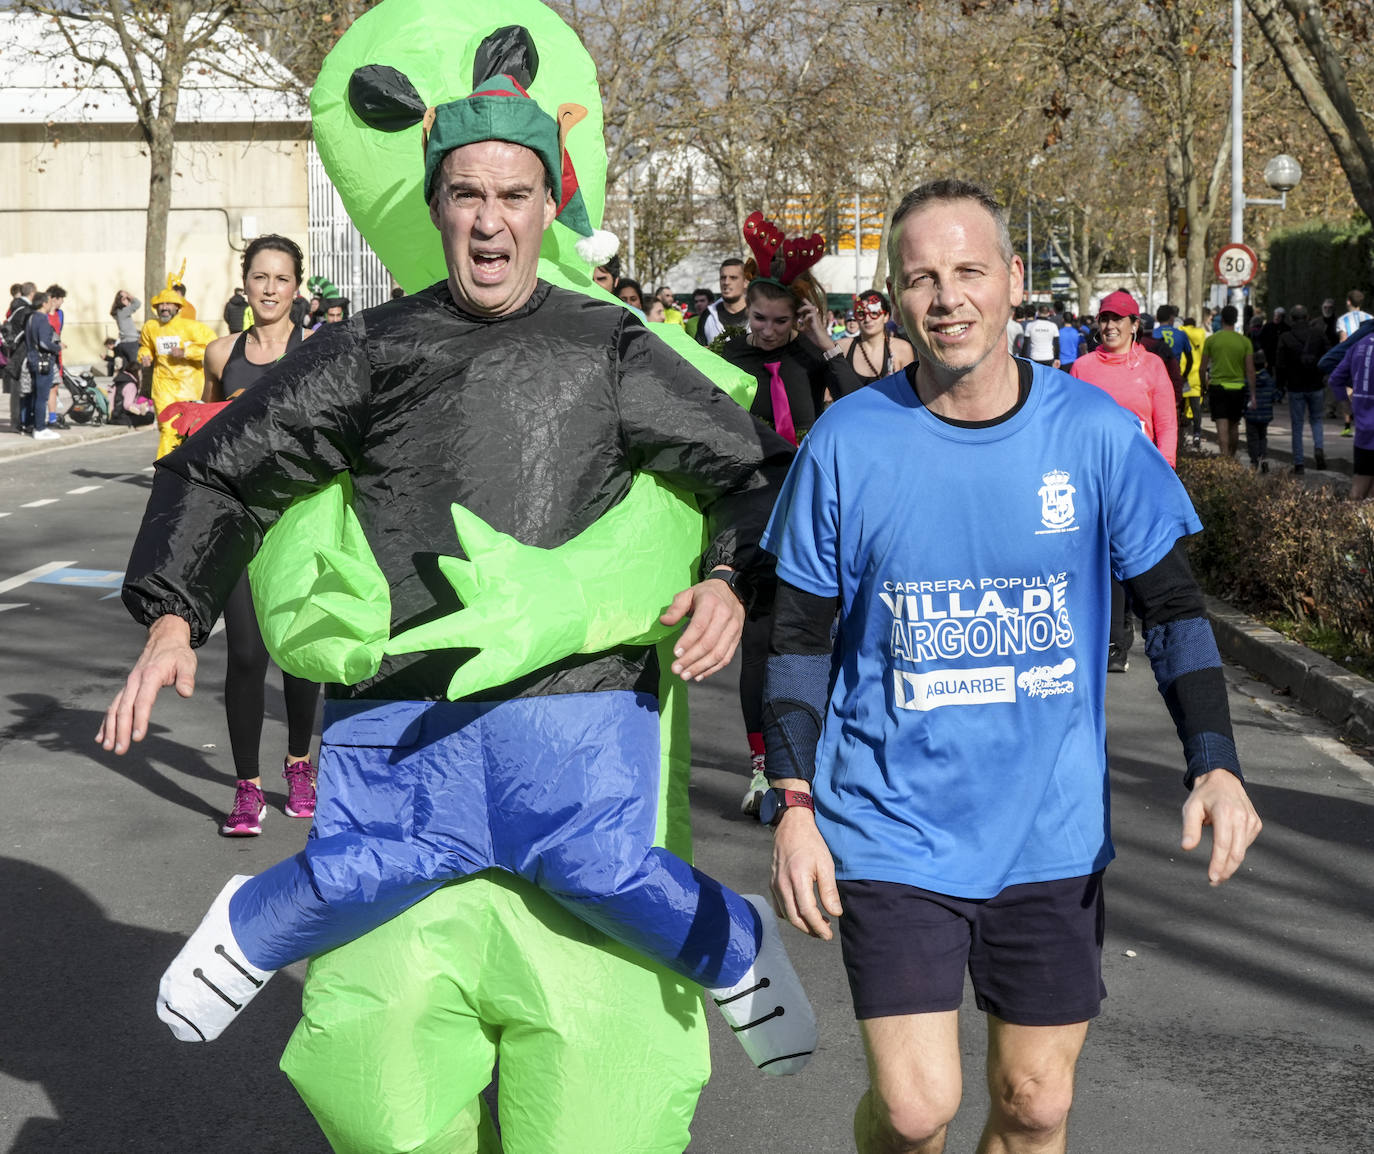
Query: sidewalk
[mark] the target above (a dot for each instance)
(1340, 451)
(16, 445)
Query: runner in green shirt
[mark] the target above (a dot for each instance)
(1228, 374)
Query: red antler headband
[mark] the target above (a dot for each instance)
(765, 239)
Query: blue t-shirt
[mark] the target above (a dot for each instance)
(1069, 340)
(964, 742)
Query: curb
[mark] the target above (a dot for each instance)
(1323, 685)
(17, 446)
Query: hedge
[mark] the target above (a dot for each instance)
(1313, 261)
(1271, 545)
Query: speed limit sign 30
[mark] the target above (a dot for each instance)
(1236, 264)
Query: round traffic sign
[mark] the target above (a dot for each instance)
(1236, 264)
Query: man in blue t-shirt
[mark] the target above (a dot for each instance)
(939, 777)
(1168, 331)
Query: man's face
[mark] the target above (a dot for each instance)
(55, 303)
(166, 311)
(954, 288)
(732, 285)
(665, 295)
(701, 302)
(491, 209)
(601, 275)
(333, 315)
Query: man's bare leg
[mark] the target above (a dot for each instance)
(1030, 1082)
(914, 1083)
(1224, 432)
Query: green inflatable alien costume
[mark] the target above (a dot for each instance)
(599, 1049)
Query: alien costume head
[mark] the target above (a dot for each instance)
(392, 100)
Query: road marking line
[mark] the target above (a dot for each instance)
(146, 469)
(13, 605)
(94, 578)
(40, 503)
(40, 571)
(4, 514)
(83, 489)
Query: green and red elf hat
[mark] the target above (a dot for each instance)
(499, 108)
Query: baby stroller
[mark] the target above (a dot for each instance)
(128, 404)
(89, 406)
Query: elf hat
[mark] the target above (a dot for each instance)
(499, 108)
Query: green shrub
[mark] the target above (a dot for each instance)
(1310, 262)
(1271, 545)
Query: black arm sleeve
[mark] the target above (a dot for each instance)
(1187, 666)
(679, 426)
(797, 681)
(214, 497)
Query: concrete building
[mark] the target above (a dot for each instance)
(74, 174)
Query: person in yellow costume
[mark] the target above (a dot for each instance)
(174, 345)
(1191, 424)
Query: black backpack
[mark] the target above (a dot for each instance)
(14, 342)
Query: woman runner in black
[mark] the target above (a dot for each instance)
(875, 353)
(271, 275)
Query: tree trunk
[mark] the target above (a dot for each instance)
(160, 153)
(1323, 90)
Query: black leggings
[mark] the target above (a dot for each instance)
(753, 655)
(244, 696)
(1123, 620)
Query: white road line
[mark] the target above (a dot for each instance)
(41, 571)
(83, 489)
(4, 514)
(13, 605)
(146, 469)
(40, 503)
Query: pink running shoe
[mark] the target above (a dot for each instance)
(245, 819)
(300, 788)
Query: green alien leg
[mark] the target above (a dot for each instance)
(601, 1052)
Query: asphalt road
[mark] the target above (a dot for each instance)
(1240, 1020)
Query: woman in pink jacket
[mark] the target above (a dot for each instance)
(1135, 378)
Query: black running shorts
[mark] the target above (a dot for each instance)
(1034, 951)
(1227, 404)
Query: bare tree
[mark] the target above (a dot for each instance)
(147, 48)
(1161, 57)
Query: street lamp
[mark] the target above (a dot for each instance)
(1281, 174)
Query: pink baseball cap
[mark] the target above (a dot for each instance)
(1121, 303)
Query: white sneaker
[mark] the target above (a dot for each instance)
(46, 435)
(758, 785)
(210, 981)
(767, 1008)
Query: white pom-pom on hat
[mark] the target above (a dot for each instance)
(598, 248)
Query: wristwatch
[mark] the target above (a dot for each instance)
(737, 584)
(775, 802)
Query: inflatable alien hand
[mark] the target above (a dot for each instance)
(525, 607)
(322, 603)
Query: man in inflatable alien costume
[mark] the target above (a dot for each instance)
(447, 395)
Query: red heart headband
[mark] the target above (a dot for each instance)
(798, 254)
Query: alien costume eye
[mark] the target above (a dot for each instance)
(384, 98)
(508, 51)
